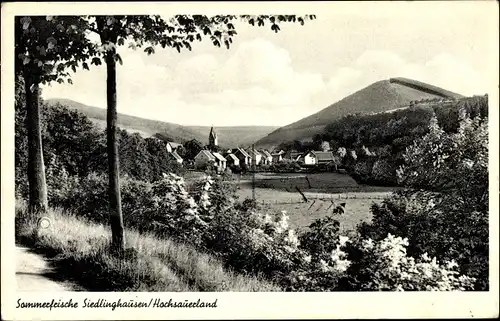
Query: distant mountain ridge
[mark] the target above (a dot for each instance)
(233, 136)
(380, 96)
(229, 136)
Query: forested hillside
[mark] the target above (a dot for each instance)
(73, 142)
(379, 141)
(378, 97)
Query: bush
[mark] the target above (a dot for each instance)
(428, 221)
(385, 266)
(208, 217)
(384, 172)
(444, 211)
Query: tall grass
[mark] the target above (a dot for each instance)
(79, 252)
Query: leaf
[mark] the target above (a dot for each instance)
(177, 46)
(120, 42)
(49, 18)
(226, 42)
(198, 37)
(96, 61)
(187, 45)
(70, 81)
(26, 60)
(42, 51)
(110, 21)
(85, 66)
(51, 42)
(119, 59)
(73, 68)
(40, 63)
(26, 22)
(60, 80)
(149, 50)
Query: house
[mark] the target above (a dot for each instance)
(232, 160)
(278, 156)
(203, 158)
(177, 157)
(318, 158)
(255, 155)
(242, 156)
(267, 157)
(171, 146)
(220, 162)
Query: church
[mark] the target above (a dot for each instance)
(212, 140)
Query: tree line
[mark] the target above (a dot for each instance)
(377, 142)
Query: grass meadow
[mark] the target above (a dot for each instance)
(304, 213)
(78, 250)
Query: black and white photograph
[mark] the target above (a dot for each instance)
(340, 148)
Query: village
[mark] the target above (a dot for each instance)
(244, 158)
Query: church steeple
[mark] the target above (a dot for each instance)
(212, 138)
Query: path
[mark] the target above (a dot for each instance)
(31, 273)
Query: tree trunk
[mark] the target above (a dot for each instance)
(38, 203)
(115, 206)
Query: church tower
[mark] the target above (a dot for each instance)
(212, 138)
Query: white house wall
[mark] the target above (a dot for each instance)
(310, 159)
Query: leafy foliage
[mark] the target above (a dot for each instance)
(46, 46)
(206, 215)
(444, 211)
(387, 135)
(81, 148)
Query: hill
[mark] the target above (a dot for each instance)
(228, 136)
(380, 96)
(146, 127)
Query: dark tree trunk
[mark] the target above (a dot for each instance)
(36, 169)
(115, 206)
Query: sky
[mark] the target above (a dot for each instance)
(271, 79)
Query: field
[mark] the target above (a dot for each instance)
(318, 182)
(275, 192)
(319, 205)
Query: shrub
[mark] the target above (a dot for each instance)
(385, 266)
(383, 171)
(444, 211)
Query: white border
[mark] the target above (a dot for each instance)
(248, 305)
